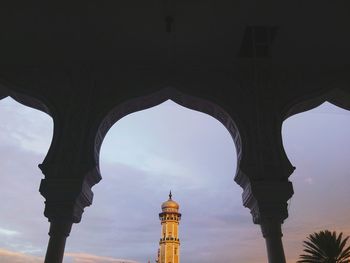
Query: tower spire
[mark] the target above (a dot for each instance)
(170, 195)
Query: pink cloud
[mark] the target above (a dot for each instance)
(17, 257)
(88, 258)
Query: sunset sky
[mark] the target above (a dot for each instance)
(146, 154)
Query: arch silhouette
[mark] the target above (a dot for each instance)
(154, 99)
(336, 94)
(32, 100)
(305, 151)
(142, 189)
(333, 94)
(24, 146)
(25, 97)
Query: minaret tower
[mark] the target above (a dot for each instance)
(169, 244)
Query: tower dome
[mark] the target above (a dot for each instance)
(170, 205)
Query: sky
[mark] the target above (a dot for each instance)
(147, 153)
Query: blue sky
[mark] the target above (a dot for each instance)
(146, 154)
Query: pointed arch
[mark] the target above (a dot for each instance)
(26, 97)
(31, 98)
(316, 141)
(27, 135)
(169, 93)
(337, 94)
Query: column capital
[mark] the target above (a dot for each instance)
(66, 198)
(267, 200)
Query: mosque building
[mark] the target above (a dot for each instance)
(169, 243)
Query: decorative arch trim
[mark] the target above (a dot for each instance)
(25, 97)
(337, 95)
(154, 99)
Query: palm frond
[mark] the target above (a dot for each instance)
(325, 247)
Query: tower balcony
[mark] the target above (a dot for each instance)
(169, 216)
(169, 240)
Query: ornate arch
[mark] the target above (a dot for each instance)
(30, 98)
(336, 92)
(156, 98)
(26, 97)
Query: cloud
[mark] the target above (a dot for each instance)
(7, 232)
(16, 257)
(24, 127)
(20, 180)
(88, 258)
(9, 256)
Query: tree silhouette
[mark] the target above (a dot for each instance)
(325, 247)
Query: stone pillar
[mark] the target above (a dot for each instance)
(271, 230)
(59, 231)
(70, 166)
(267, 201)
(65, 203)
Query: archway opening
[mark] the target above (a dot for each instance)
(148, 153)
(25, 137)
(317, 143)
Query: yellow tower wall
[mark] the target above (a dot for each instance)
(170, 244)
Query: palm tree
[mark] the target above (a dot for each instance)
(325, 247)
